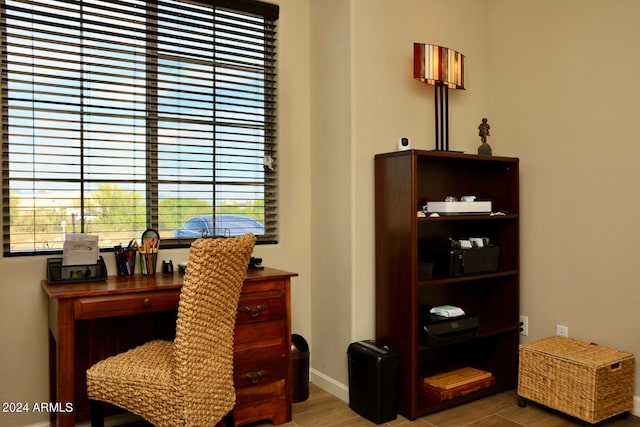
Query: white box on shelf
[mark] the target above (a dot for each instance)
(458, 208)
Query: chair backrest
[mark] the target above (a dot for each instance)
(203, 349)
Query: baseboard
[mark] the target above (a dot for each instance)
(341, 391)
(636, 406)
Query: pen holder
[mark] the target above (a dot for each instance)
(148, 261)
(126, 262)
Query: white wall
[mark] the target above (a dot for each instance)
(564, 101)
(331, 192)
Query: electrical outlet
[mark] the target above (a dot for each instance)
(524, 325)
(562, 330)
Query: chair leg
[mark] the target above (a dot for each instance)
(229, 419)
(97, 415)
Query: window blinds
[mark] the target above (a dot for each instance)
(119, 116)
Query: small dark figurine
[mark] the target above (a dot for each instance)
(484, 148)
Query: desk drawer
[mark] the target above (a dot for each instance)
(265, 401)
(122, 305)
(251, 286)
(260, 331)
(261, 307)
(259, 363)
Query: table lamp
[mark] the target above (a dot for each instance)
(443, 68)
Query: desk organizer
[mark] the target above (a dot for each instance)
(58, 273)
(585, 380)
(125, 261)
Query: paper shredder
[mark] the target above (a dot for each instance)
(372, 380)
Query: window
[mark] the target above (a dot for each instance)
(120, 116)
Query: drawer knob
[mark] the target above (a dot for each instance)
(253, 311)
(254, 377)
(146, 303)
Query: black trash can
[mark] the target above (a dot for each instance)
(299, 368)
(372, 380)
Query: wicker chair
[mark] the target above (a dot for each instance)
(187, 382)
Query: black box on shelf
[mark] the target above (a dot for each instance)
(462, 262)
(437, 331)
(473, 260)
(373, 380)
(58, 273)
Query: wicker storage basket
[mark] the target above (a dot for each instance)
(588, 381)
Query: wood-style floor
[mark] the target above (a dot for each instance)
(323, 409)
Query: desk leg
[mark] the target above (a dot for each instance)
(53, 378)
(289, 397)
(64, 362)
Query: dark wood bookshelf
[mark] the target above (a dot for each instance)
(404, 182)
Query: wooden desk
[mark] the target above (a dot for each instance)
(92, 320)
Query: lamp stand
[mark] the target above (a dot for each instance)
(441, 109)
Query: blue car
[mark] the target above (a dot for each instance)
(226, 225)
